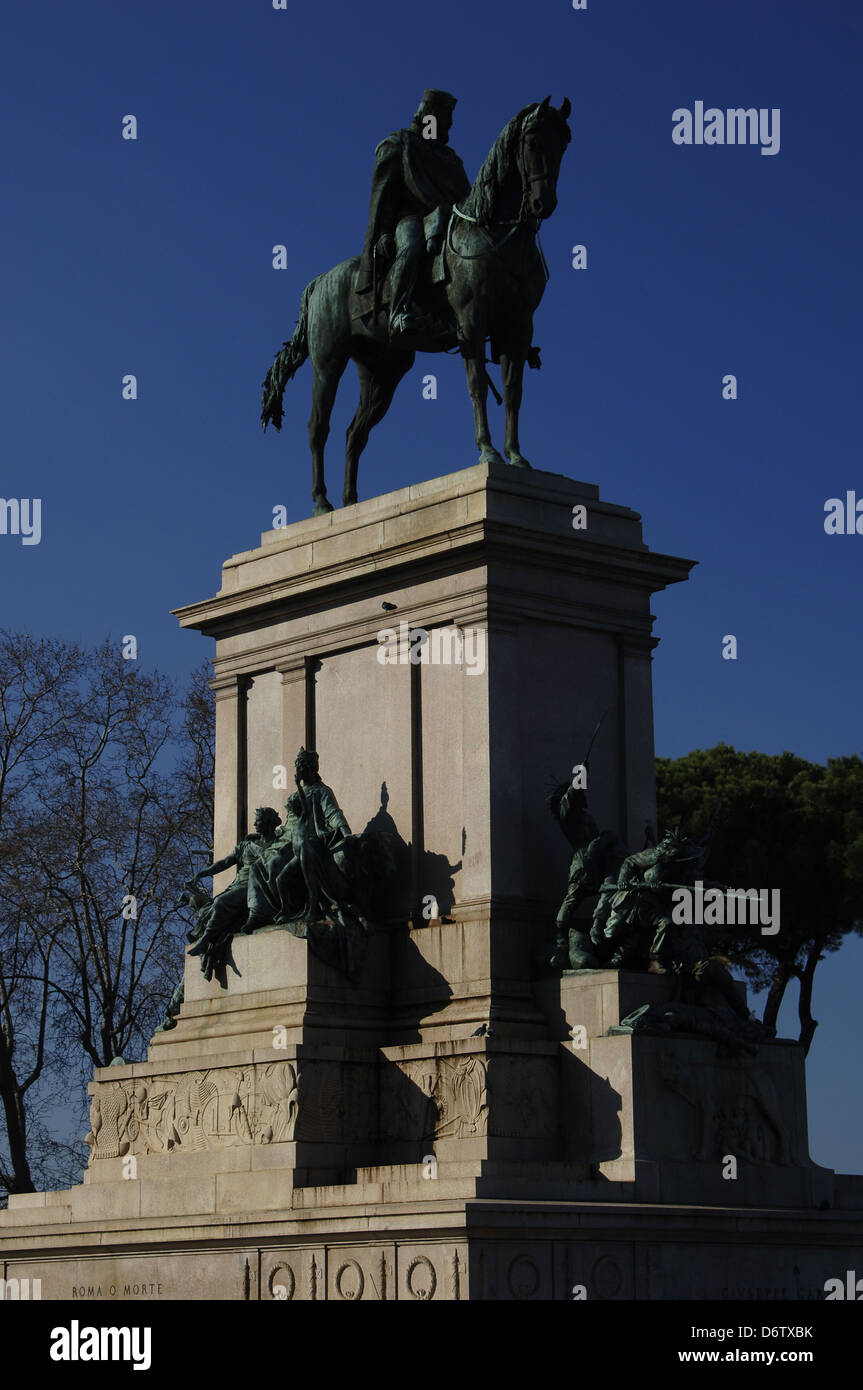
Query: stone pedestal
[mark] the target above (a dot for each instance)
(455, 758)
(675, 1119)
(555, 630)
(456, 1123)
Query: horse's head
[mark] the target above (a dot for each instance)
(544, 137)
(518, 180)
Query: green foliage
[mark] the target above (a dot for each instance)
(784, 823)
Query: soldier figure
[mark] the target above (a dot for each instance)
(225, 914)
(626, 921)
(596, 859)
(414, 174)
(310, 875)
(301, 878)
(310, 881)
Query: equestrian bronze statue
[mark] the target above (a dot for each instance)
(445, 266)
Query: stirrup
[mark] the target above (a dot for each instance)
(402, 323)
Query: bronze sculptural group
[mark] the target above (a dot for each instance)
(310, 875)
(446, 266)
(634, 927)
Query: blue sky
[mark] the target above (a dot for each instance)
(257, 127)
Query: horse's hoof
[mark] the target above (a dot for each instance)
(490, 455)
(517, 461)
(349, 499)
(322, 506)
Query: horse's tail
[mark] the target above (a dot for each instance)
(287, 362)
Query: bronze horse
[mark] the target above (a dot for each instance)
(488, 285)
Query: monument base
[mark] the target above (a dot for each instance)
(454, 1123)
(362, 1243)
(308, 1160)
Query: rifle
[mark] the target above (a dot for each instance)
(654, 887)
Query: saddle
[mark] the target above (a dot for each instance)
(374, 303)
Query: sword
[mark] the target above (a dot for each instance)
(593, 738)
(586, 757)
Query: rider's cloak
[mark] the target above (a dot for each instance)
(412, 176)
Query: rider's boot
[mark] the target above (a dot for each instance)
(403, 277)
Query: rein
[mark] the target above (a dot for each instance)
(512, 223)
(513, 228)
(519, 222)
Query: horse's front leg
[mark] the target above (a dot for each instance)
(512, 372)
(473, 353)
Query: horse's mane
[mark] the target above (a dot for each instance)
(498, 163)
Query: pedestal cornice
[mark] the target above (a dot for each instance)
(489, 516)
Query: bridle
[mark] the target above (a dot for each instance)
(523, 219)
(527, 180)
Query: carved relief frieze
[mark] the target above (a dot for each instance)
(439, 1098)
(733, 1110)
(193, 1111)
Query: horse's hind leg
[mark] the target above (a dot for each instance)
(327, 377)
(377, 388)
